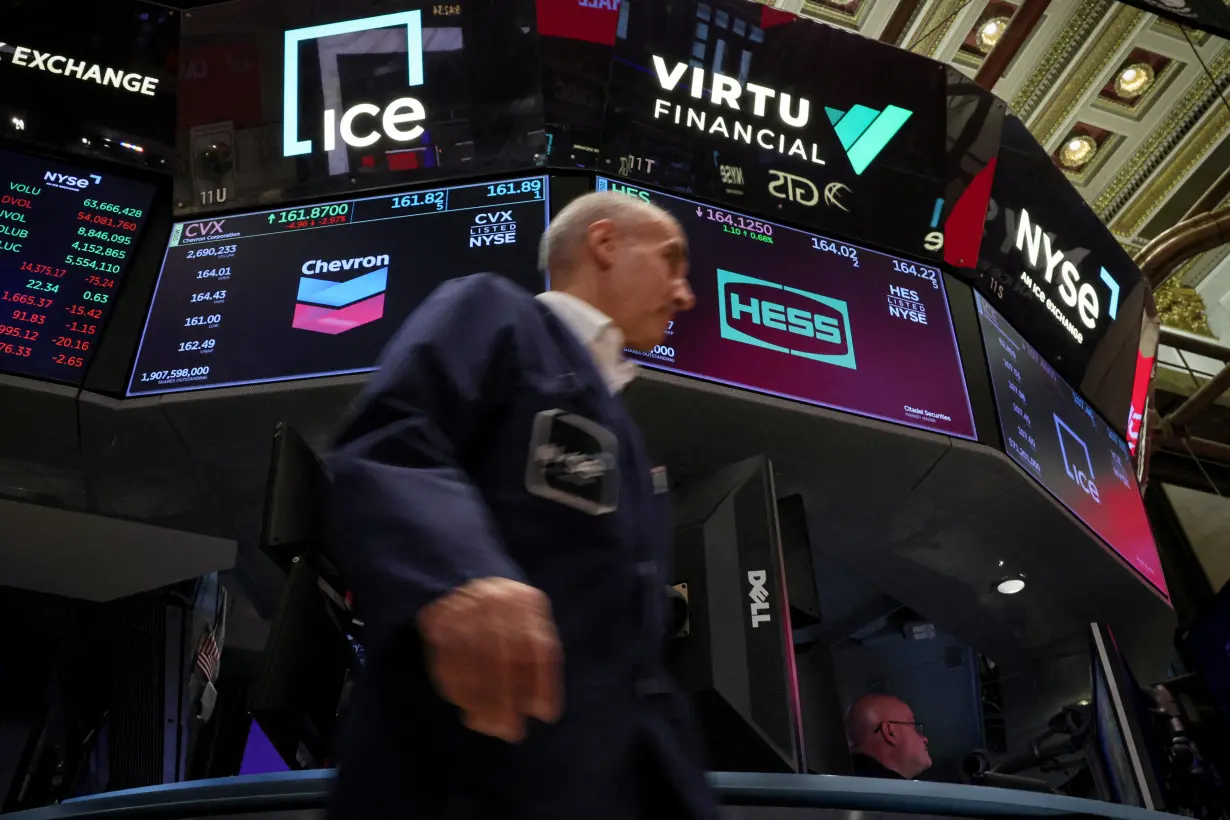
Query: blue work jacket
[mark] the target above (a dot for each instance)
(488, 444)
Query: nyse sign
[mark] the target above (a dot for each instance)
(364, 124)
(1076, 295)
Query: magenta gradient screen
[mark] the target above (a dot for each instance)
(803, 317)
(1058, 438)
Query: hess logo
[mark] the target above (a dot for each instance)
(786, 320)
(365, 123)
(201, 229)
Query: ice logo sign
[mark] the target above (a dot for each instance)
(365, 123)
(1076, 461)
(787, 320)
(332, 307)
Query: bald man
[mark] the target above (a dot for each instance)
(885, 739)
(508, 551)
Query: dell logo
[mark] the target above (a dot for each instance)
(364, 124)
(786, 320)
(760, 598)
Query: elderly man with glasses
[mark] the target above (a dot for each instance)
(885, 739)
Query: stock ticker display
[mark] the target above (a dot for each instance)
(66, 238)
(796, 315)
(1060, 440)
(319, 290)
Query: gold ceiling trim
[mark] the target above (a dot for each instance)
(1194, 102)
(1153, 195)
(919, 10)
(944, 10)
(1164, 26)
(1059, 56)
(827, 14)
(1088, 71)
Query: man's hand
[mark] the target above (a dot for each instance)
(493, 651)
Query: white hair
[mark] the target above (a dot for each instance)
(569, 228)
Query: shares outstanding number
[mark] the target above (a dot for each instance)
(178, 373)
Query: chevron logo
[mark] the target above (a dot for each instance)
(335, 307)
(865, 131)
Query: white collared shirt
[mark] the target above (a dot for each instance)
(598, 333)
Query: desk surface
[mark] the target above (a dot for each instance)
(310, 789)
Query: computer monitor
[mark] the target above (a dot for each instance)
(1121, 756)
(737, 658)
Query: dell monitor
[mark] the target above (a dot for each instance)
(736, 659)
(1121, 757)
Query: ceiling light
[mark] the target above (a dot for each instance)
(990, 32)
(1134, 80)
(1077, 151)
(1011, 585)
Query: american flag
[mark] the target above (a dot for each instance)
(208, 655)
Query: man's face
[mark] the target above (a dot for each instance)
(648, 278)
(911, 744)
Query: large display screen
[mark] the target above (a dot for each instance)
(319, 290)
(1049, 264)
(324, 99)
(800, 316)
(742, 104)
(67, 236)
(1060, 440)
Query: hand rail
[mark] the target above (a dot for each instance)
(256, 794)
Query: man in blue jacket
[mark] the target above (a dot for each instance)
(498, 522)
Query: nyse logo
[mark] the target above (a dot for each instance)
(730, 174)
(69, 183)
(787, 320)
(793, 188)
(904, 303)
(1076, 461)
(760, 598)
(364, 124)
(493, 228)
(202, 230)
(1038, 248)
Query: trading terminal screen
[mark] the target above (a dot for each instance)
(67, 236)
(804, 317)
(1060, 440)
(319, 290)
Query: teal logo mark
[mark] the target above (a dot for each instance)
(865, 131)
(789, 310)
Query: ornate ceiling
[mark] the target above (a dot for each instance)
(1124, 91)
